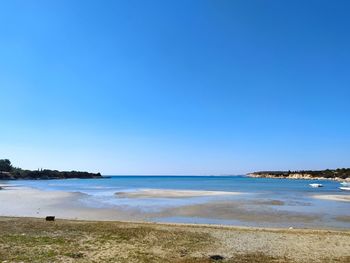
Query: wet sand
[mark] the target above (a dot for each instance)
(240, 210)
(28, 202)
(344, 198)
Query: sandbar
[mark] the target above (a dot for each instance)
(168, 193)
(343, 198)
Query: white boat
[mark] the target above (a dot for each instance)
(316, 185)
(345, 184)
(344, 188)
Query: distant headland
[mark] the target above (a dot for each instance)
(8, 172)
(342, 174)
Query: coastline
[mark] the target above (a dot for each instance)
(297, 177)
(216, 207)
(96, 234)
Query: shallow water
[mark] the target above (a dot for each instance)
(263, 202)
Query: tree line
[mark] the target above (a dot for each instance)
(9, 172)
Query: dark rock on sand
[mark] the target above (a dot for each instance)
(216, 257)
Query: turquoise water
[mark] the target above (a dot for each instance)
(295, 195)
(211, 183)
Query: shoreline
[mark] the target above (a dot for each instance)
(20, 201)
(190, 225)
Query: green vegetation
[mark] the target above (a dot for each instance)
(34, 240)
(5, 165)
(8, 172)
(342, 173)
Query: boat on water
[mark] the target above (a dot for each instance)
(316, 185)
(344, 188)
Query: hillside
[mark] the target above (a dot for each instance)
(336, 174)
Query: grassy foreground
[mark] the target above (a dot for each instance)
(34, 240)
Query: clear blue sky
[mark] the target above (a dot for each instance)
(175, 87)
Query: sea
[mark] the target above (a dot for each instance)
(264, 202)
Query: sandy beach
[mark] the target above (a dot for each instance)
(22, 227)
(170, 193)
(29, 202)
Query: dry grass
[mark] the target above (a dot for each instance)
(34, 240)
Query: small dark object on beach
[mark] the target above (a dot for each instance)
(50, 218)
(75, 255)
(216, 257)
